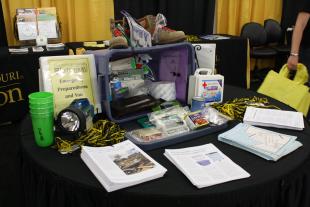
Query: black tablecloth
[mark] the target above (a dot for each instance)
(10, 182)
(75, 45)
(52, 179)
(19, 78)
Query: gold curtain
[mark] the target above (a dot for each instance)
(231, 15)
(81, 20)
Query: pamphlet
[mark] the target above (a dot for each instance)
(205, 165)
(37, 49)
(26, 24)
(264, 143)
(214, 37)
(47, 22)
(18, 50)
(69, 78)
(56, 46)
(274, 118)
(121, 165)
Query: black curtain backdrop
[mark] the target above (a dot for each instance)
(3, 40)
(192, 17)
(289, 13)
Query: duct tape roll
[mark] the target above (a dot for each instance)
(164, 90)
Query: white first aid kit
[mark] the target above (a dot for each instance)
(205, 84)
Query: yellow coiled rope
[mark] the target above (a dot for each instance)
(193, 38)
(235, 108)
(103, 133)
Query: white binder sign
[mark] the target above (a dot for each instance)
(205, 54)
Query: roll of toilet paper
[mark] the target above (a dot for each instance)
(164, 90)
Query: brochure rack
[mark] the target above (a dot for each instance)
(29, 23)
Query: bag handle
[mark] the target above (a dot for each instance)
(204, 71)
(301, 75)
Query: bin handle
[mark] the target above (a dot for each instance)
(204, 71)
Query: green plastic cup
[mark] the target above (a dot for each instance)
(40, 97)
(41, 108)
(42, 111)
(43, 129)
(41, 105)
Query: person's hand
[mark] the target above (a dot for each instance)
(292, 62)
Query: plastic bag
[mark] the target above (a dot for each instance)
(290, 92)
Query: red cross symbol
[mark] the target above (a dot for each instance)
(204, 85)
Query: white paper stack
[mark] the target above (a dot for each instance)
(274, 118)
(56, 46)
(121, 165)
(205, 165)
(164, 90)
(18, 50)
(264, 143)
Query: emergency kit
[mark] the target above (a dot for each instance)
(135, 82)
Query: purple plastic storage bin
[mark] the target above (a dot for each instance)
(170, 62)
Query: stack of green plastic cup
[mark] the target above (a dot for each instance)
(41, 106)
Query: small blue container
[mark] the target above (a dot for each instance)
(116, 84)
(198, 103)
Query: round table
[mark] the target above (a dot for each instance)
(52, 179)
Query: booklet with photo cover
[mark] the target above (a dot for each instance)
(70, 77)
(121, 165)
(205, 165)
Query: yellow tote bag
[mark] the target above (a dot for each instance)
(290, 92)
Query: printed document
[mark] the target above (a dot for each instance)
(264, 143)
(205, 165)
(121, 165)
(48, 28)
(274, 118)
(214, 37)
